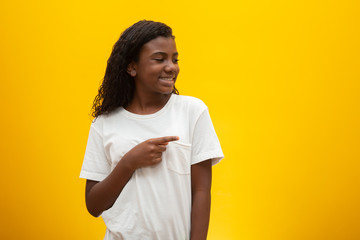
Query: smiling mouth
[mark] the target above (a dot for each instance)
(167, 78)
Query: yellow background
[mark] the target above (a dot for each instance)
(281, 79)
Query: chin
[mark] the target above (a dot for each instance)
(168, 91)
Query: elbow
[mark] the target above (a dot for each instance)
(93, 212)
(95, 208)
(95, 204)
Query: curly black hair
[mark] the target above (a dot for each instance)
(117, 88)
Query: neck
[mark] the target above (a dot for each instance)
(143, 104)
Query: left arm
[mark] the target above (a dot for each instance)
(201, 198)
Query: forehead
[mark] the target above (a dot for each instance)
(160, 45)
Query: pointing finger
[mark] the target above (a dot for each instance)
(164, 140)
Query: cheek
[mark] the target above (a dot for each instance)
(148, 73)
(155, 69)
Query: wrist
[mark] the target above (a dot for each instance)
(127, 163)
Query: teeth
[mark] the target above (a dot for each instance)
(167, 79)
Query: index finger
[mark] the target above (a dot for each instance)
(164, 140)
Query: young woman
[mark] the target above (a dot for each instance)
(150, 151)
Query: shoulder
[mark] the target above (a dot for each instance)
(191, 103)
(104, 119)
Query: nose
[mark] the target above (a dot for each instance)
(171, 67)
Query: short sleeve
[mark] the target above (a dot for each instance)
(96, 165)
(205, 143)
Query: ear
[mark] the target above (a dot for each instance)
(131, 69)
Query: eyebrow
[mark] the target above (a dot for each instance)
(164, 53)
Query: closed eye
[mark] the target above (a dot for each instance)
(159, 59)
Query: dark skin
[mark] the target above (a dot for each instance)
(155, 74)
(201, 198)
(100, 196)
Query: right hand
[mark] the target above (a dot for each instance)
(148, 153)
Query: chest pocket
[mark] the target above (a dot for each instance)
(178, 157)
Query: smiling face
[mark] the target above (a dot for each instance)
(157, 68)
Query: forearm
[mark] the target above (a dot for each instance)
(201, 198)
(200, 215)
(100, 196)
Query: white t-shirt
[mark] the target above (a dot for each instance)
(156, 201)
